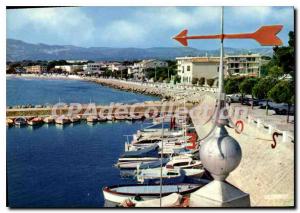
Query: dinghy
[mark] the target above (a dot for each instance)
(119, 193)
(172, 200)
(35, 121)
(20, 121)
(48, 120)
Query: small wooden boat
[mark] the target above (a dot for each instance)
(9, 122)
(111, 118)
(35, 121)
(134, 163)
(62, 120)
(172, 200)
(49, 120)
(20, 121)
(119, 193)
(102, 119)
(92, 119)
(74, 119)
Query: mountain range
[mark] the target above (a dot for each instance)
(17, 50)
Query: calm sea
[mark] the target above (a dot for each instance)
(51, 166)
(36, 91)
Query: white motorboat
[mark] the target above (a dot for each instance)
(183, 162)
(155, 173)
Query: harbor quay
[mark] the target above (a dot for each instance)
(272, 185)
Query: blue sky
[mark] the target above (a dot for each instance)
(141, 27)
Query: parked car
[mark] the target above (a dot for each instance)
(234, 98)
(249, 101)
(282, 109)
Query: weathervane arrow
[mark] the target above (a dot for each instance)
(265, 36)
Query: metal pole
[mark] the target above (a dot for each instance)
(161, 158)
(221, 70)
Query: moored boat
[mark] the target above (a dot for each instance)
(102, 119)
(20, 121)
(173, 175)
(172, 200)
(92, 119)
(9, 122)
(35, 121)
(119, 193)
(62, 120)
(49, 120)
(183, 162)
(74, 119)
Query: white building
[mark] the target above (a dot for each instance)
(69, 68)
(197, 67)
(138, 68)
(116, 66)
(95, 68)
(190, 68)
(248, 65)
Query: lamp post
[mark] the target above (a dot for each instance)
(220, 153)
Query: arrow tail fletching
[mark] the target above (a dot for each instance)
(266, 35)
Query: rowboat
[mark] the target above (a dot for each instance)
(20, 121)
(62, 120)
(119, 193)
(92, 119)
(9, 122)
(172, 200)
(35, 121)
(102, 119)
(48, 120)
(74, 119)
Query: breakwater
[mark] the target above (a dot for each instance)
(151, 107)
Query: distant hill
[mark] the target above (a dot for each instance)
(17, 50)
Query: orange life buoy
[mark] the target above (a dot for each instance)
(237, 125)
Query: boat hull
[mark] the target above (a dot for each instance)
(119, 197)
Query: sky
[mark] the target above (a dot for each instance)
(142, 27)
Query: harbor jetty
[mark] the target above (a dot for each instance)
(266, 171)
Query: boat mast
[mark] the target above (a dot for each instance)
(161, 157)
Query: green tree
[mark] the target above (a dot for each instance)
(246, 85)
(283, 92)
(262, 87)
(275, 71)
(284, 57)
(231, 85)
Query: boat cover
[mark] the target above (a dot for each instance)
(154, 164)
(171, 200)
(151, 151)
